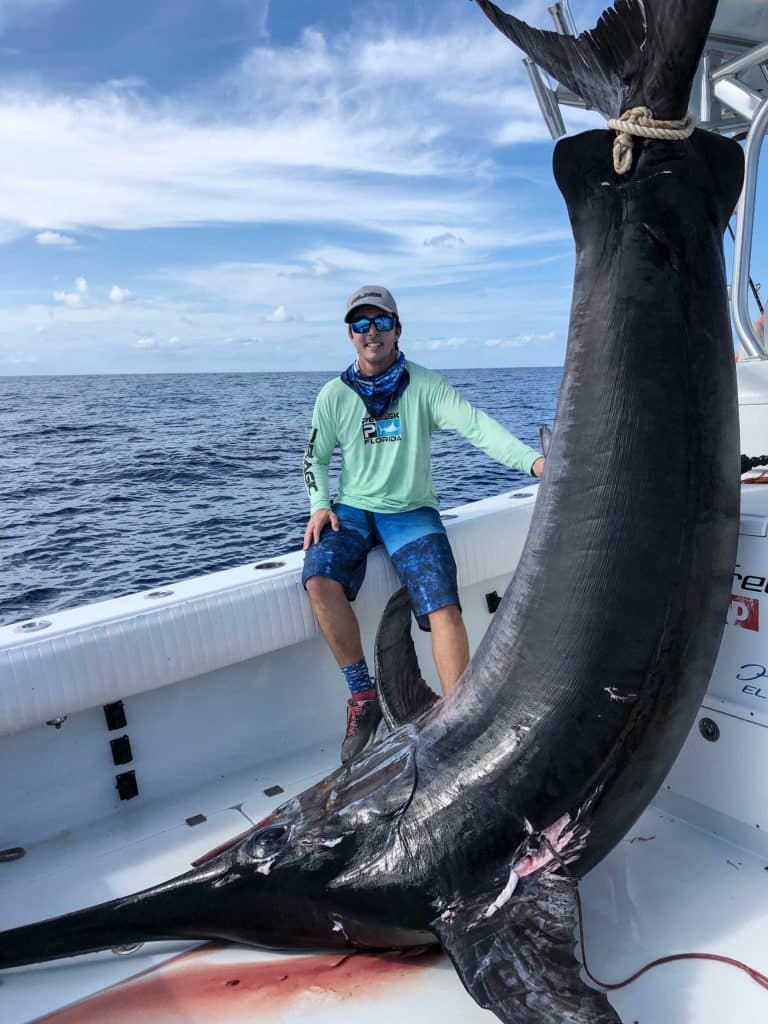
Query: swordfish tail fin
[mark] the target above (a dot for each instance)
(639, 53)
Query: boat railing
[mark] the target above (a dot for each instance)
(732, 99)
(754, 108)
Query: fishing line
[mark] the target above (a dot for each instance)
(753, 973)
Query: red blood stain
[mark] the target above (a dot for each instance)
(200, 986)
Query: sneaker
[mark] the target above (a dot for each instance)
(363, 717)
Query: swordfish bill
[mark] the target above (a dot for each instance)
(471, 824)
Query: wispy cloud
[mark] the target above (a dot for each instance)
(440, 344)
(520, 340)
(404, 165)
(303, 136)
(447, 240)
(53, 238)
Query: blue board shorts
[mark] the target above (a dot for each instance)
(416, 542)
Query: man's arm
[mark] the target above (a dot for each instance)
(452, 412)
(317, 458)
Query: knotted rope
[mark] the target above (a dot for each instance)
(639, 121)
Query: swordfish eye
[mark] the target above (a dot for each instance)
(267, 842)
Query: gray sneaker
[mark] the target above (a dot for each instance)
(363, 717)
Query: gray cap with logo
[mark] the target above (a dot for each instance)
(370, 295)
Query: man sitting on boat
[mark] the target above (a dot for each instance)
(382, 412)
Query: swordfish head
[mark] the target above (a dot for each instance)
(324, 870)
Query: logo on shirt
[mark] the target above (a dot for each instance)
(379, 431)
(309, 476)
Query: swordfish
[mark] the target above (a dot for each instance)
(470, 824)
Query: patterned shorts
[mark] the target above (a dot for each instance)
(416, 542)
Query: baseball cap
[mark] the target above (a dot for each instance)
(370, 295)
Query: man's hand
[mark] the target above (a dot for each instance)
(317, 524)
(538, 467)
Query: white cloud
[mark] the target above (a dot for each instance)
(520, 340)
(435, 215)
(303, 137)
(447, 240)
(318, 268)
(155, 344)
(440, 344)
(70, 299)
(75, 299)
(53, 238)
(130, 84)
(279, 316)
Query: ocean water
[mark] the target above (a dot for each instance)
(114, 484)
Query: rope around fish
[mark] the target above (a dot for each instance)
(640, 122)
(753, 973)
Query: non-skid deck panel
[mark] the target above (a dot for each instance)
(114, 649)
(672, 888)
(123, 855)
(57, 880)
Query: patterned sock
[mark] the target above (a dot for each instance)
(359, 680)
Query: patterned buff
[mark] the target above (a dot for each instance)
(379, 392)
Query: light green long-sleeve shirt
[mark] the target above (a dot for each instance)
(385, 463)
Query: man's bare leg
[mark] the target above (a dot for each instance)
(338, 623)
(450, 645)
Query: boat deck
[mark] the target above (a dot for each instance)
(668, 888)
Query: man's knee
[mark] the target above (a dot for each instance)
(450, 615)
(321, 589)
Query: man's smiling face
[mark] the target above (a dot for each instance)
(376, 350)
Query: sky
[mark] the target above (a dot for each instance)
(198, 185)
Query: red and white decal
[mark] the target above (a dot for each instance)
(744, 612)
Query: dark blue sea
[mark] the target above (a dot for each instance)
(114, 484)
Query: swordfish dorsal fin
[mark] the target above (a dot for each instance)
(638, 54)
(403, 694)
(517, 959)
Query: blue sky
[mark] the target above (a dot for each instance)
(197, 185)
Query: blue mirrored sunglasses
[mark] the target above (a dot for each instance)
(383, 323)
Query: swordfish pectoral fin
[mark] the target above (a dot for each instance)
(545, 437)
(403, 694)
(515, 953)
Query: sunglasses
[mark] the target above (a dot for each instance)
(383, 323)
